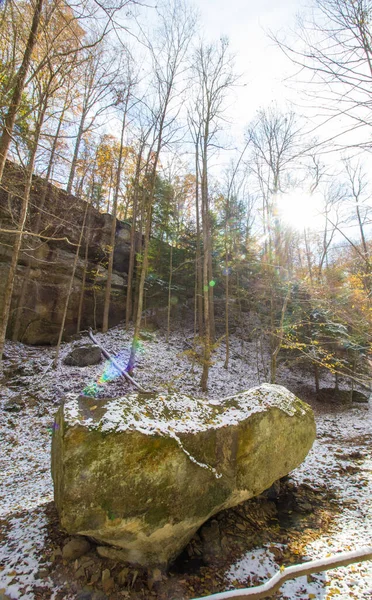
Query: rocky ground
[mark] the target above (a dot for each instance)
(322, 508)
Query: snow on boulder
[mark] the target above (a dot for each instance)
(143, 473)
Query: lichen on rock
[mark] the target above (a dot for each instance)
(143, 473)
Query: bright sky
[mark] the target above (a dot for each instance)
(264, 69)
(264, 72)
(260, 62)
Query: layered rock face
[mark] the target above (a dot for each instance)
(45, 264)
(143, 473)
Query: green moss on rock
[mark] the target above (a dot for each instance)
(143, 473)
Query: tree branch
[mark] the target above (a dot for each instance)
(315, 566)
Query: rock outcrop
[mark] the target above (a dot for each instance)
(143, 473)
(45, 264)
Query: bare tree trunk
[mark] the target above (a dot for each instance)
(337, 388)
(195, 317)
(62, 328)
(147, 214)
(316, 379)
(36, 229)
(279, 337)
(169, 292)
(176, 32)
(132, 252)
(205, 228)
(211, 286)
(257, 360)
(308, 258)
(86, 259)
(227, 341)
(214, 75)
(106, 307)
(76, 153)
(199, 274)
(109, 194)
(141, 287)
(353, 370)
(140, 249)
(19, 84)
(19, 235)
(368, 283)
(83, 282)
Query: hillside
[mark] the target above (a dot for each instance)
(323, 507)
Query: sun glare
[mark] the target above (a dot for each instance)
(300, 210)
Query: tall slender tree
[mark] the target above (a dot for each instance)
(168, 55)
(123, 100)
(19, 84)
(214, 76)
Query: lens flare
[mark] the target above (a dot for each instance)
(110, 372)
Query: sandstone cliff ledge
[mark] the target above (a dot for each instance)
(142, 474)
(45, 263)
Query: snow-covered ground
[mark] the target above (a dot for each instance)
(31, 391)
(343, 439)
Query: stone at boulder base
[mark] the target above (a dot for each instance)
(75, 548)
(143, 473)
(83, 356)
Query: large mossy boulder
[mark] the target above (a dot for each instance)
(143, 473)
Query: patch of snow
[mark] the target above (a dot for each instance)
(259, 565)
(165, 368)
(21, 555)
(328, 462)
(341, 436)
(163, 414)
(25, 461)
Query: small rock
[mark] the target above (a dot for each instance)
(75, 548)
(56, 552)
(106, 575)
(153, 576)
(360, 397)
(42, 573)
(96, 576)
(108, 585)
(80, 572)
(112, 553)
(83, 356)
(122, 577)
(87, 561)
(146, 336)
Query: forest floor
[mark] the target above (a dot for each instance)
(322, 508)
